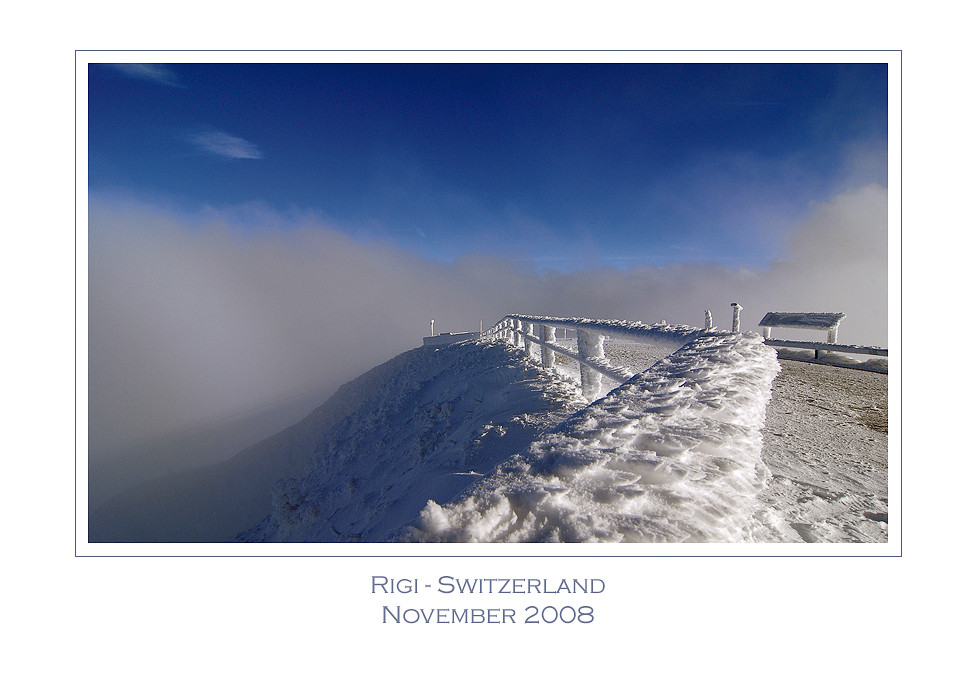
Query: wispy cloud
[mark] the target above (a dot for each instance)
(224, 145)
(150, 72)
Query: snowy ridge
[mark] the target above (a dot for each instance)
(619, 329)
(446, 417)
(213, 502)
(672, 455)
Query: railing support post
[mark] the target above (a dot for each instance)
(736, 316)
(708, 319)
(527, 344)
(589, 345)
(547, 354)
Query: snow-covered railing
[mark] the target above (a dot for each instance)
(526, 330)
(818, 346)
(444, 338)
(672, 455)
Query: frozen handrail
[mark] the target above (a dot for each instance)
(519, 330)
(618, 329)
(672, 455)
(818, 346)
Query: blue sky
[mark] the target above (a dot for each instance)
(260, 231)
(564, 166)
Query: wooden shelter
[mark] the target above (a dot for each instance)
(827, 321)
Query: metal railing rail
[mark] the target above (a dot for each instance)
(526, 330)
(519, 330)
(817, 346)
(602, 365)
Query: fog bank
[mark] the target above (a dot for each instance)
(192, 321)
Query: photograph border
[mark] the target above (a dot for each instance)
(892, 548)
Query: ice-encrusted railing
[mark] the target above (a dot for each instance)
(527, 330)
(671, 455)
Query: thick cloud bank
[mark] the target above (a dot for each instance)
(191, 321)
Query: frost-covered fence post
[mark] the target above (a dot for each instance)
(708, 319)
(589, 345)
(527, 344)
(547, 354)
(736, 316)
(833, 334)
(517, 332)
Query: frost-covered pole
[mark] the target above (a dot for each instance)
(589, 345)
(708, 319)
(736, 316)
(547, 354)
(432, 327)
(518, 331)
(527, 344)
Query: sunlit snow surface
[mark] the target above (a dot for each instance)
(673, 455)
(476, 442)
(825, 442)
(441, 419)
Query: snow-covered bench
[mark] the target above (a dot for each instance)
(827, 322)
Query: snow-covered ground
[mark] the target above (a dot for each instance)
(825, 444)
(672, 455)
(477, 442)
(446, 418)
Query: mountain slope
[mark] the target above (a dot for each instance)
(476, 442)
(449, 417)
(212, 503)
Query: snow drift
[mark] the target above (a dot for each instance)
(448, 416)
(475, 442)
(672, 455)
